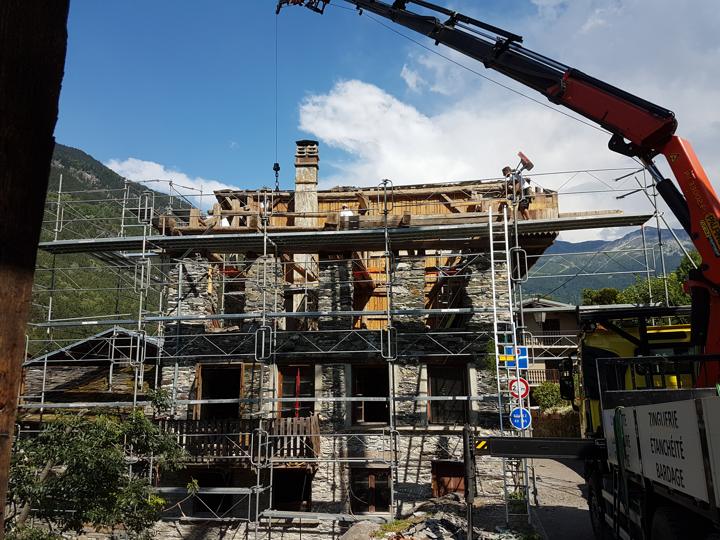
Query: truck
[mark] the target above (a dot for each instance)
(649, 394)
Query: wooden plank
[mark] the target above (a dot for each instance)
(195, 218)
(449, 203)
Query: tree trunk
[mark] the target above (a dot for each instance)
(33, 40)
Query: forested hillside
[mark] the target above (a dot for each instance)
(74, 286)
(563, 272)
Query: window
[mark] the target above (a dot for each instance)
(296, 382)
(370, 381)
(551, 325)
(370, 490)
(292, 490)
(447, 381)
(219, 382)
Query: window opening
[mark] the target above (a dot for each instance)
(292, 490)
(220, 382)
(296, 382)
(447, 381)
(551, 325)
(370, 490)
(370, 381)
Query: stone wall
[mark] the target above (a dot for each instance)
(408, 292)
(335, 293)
(191, 290)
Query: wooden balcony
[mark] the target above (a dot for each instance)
(283, 440)
(294, 439)
(538, 376)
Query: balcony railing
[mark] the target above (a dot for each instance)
(540, 375)
(552, 339)
(294, 439)
(281, 439)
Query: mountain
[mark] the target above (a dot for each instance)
(81, 172)
(80, 285)
(566, 268)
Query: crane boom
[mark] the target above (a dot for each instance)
(638, 128)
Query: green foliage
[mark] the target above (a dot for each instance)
(547, 396)
(490, 359)
(193, 487)
(644, 290)
(601, 297)
(75, 472)
(160, 400)
(397, 526)
(32, 533)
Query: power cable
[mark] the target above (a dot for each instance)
(489, 79)
(572, 277)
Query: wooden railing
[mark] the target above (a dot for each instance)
(286, 439)
(540, 375)
(207, 439)
(295, 438)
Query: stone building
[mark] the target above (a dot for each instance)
(323, 349)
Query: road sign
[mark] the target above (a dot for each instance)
(520, 418)
(519, 388)
(521, 353)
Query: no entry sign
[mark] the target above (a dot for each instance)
(519, 388)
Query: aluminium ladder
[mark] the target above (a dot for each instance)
(515, 471)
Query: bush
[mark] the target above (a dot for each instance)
(32, 533)
(547, 396)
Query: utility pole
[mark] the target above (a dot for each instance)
(469, 478)
(33, 41)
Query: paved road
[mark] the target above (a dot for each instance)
(562, 510)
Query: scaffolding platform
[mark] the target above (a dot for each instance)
(437, 237)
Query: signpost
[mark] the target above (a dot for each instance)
(520, 418)
(519, 388)
(520, 354)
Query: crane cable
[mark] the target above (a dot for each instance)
(276, 165)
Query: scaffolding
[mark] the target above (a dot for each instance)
(393, 295)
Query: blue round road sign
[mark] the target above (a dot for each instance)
(520, 418)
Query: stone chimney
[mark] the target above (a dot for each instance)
(306, 181)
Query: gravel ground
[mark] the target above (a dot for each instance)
(562, 509)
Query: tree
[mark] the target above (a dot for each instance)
(600, 297)
(81, 471)
(640, 292)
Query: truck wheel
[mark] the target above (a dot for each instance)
(596, 509)
(669, 523)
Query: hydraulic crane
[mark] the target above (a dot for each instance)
(638, 129)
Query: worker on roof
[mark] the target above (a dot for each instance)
(518, 189)
(345, 211)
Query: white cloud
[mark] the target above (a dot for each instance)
(197, 189)
(412, 79)
(475, 127)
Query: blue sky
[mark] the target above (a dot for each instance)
(192, 85)
(185, 90)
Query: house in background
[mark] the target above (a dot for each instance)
(551, 334)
